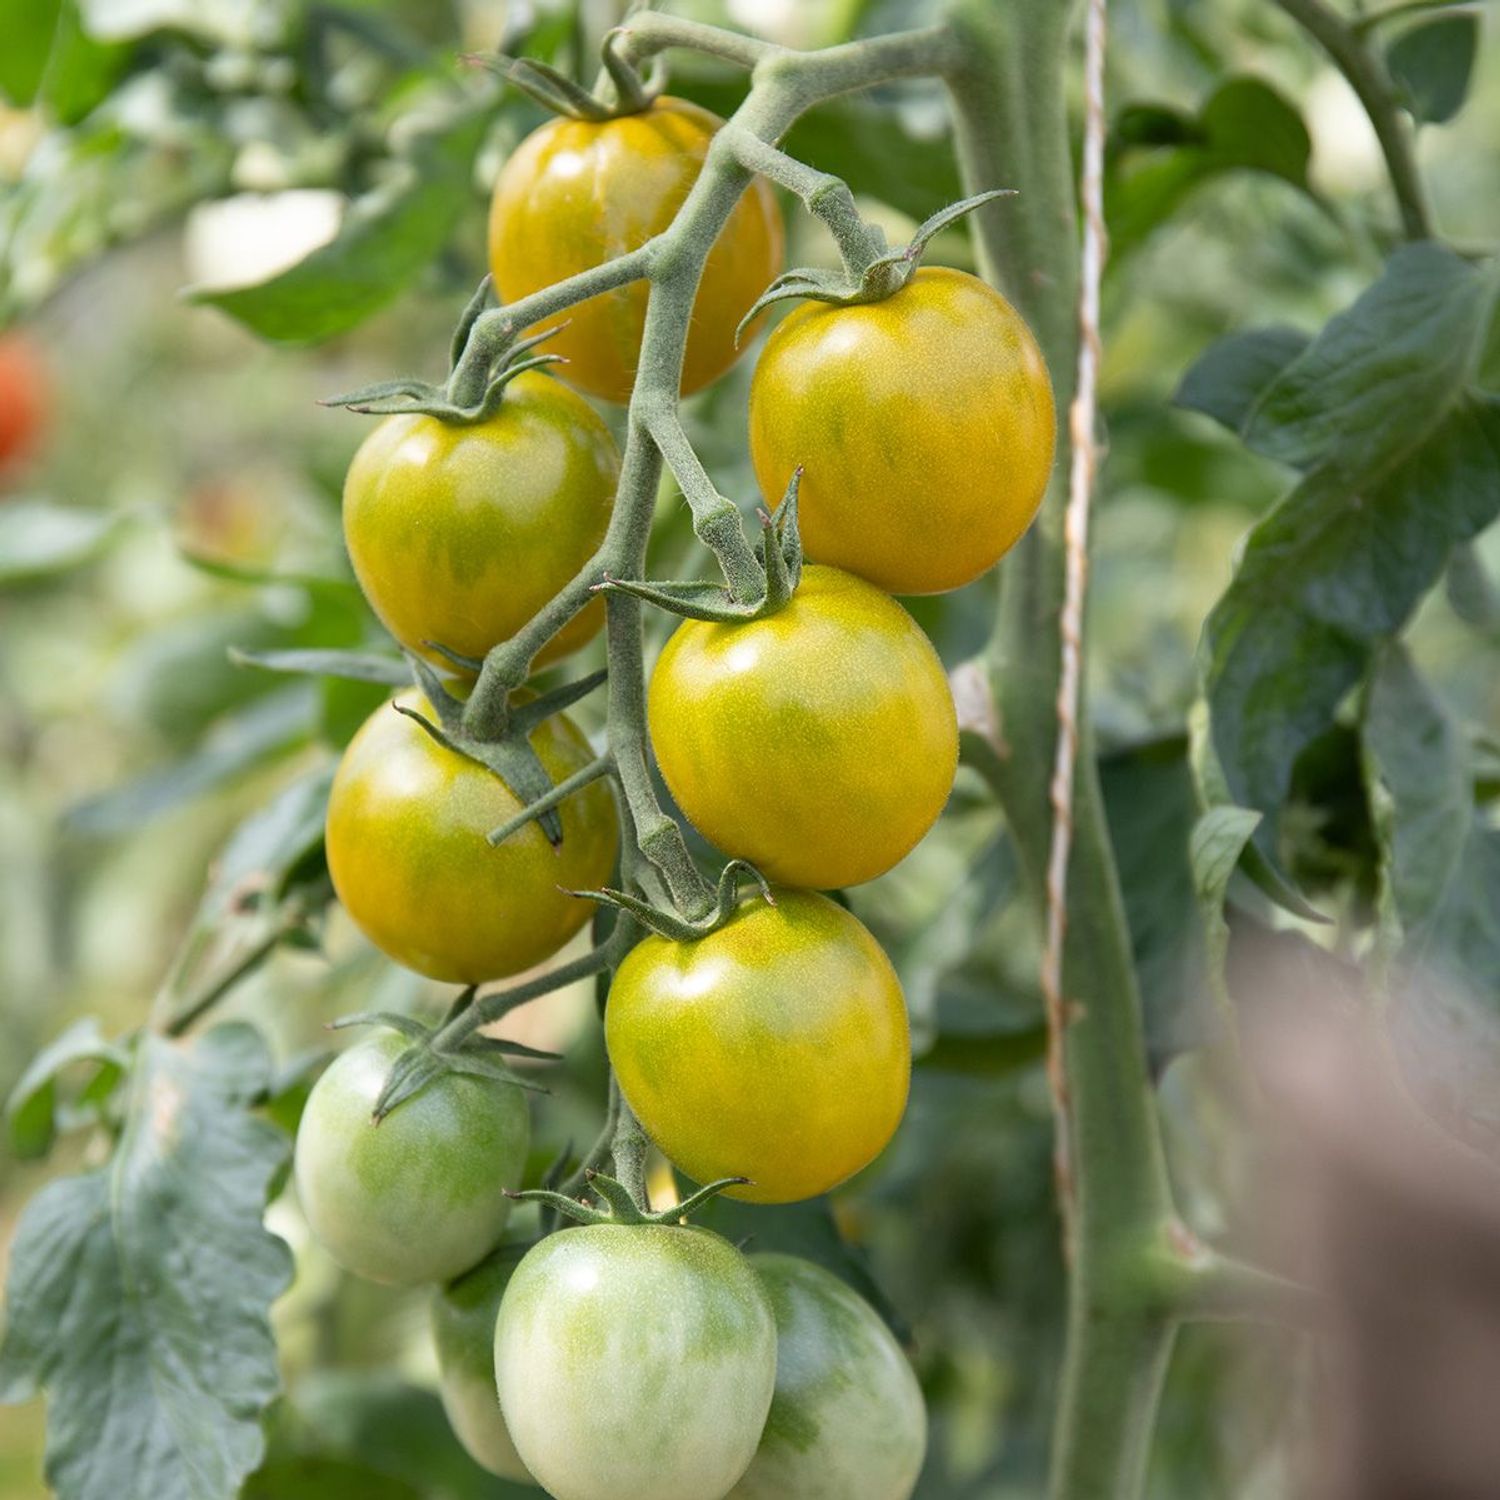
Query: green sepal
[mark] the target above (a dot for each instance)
(621, 1208)
(882, 278)
(780, 552)
(408, 1026)
(395, 397)
(510, 757)
(545, 85)
(423, 1061)
(463, 663)
(672, 924)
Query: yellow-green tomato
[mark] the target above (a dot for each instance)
(406, 844)
(847, 1421)
(464, 1314)
(420, 1196)
(460, 534)
(924, 424)
(635, 1362)
(576, 193)
(776, 1048)
(819, 743)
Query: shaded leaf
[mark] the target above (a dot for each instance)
(253, 736)
(1159, 157)
(387, 237)
(1432, 63)
(139, 1294)
(32, 1112)
(40, 540)
(1324, 578)
(318, 1477)
(1219, 840)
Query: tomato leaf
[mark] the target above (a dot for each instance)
(1228, 378)
(1382, 374)
(40, 540)
(139, 1294)
(1158, 157)
(32, 1112)
(1432, 64)
(1440, 898)
(387, 237)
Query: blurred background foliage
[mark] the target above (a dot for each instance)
(184, 500)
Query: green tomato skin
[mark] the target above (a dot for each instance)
(421, 1196)
(463, 1329)
(847, 1421)
(635, 1362)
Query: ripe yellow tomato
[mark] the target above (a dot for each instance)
(460, 534)
(576, 193)
(407, 821)
(819, 743)
(924, 424)
(775, 1048)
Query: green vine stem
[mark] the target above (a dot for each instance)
(1364, 68)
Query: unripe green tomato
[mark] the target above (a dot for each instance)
(776, 1048)
(635, 1362)
(464, 1314)
(421, 1195)
(459, 534)
(819, 743)
(847, 1421)
(407, 820)
(924, 424)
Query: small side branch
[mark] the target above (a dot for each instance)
(648, 33)
(716, 519)
(824, 196)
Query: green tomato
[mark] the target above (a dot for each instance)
(847, 1421)
(463, 1329)
(635, 1362)
(420, 1196)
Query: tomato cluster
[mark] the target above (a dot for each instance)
(817, 742)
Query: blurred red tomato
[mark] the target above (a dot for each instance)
(25, 401)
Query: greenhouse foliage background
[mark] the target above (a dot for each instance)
(186, 502)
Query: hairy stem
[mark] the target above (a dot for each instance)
(1363, 66)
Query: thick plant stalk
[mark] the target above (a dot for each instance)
(1012, 132)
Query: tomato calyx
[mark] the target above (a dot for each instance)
(882, 277)
(779, 553)
(457, 401)
(620, 90)
(509, 755)
(672, 924)
(427, 1058)
(618, 1207)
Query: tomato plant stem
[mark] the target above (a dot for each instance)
(1364, 68)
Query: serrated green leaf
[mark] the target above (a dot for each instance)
(1382, 374)
(1324, 578)
(1227, 379)
(31, 1112)
(387, 237)
(139, 1294)
(41, 540)
(1432, 63)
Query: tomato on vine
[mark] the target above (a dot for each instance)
(819, 743)
(463, 1331)
(420, 1195)
(924, 424)
(460, 533)
(635, 1362)
(576, 193)
(847, 1421)
(407, 820)
(776, 1048)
